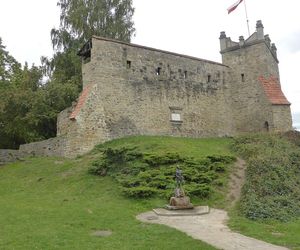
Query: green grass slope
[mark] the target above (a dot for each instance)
(269, 208)
(53, 203)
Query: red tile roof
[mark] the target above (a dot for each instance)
(273, 91)
(81, 101)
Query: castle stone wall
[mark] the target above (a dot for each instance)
(134, 90)
(137, 99)
(282, 117)
(64, 124)
(10, 155)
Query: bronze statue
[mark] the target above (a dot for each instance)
(179, 178)
(180, 200)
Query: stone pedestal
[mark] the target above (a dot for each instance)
(177, 203)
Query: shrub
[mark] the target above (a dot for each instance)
(272, 188)
(199, 190)
(149, 175)
(221, 158)
(166, 159)
(139, 192)
(99, 168)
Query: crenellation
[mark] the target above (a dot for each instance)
(268, 40)
(241, 41)
(259, 30)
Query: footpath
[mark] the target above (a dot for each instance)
(210, 228)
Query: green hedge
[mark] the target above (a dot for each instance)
(146, 175)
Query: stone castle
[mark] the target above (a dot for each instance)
(130, 89)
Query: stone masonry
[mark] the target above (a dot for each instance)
(130, 89)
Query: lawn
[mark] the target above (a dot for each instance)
(188, 147)
(282, 234)
(53, 203)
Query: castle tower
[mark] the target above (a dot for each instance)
(257, 101)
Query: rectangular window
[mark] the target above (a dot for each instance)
(128, 64)
(208, 78)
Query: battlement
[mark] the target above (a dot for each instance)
(257, 37)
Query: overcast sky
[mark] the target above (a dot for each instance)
(190, 27)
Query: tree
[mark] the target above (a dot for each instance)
(81, 19)
(9, 67)
(18, 93)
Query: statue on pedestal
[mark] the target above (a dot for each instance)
(180, 200)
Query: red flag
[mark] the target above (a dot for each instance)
(234, 6)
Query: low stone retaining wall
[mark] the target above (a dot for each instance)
(10, 155)
(51, 147)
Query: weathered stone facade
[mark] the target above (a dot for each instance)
(134, 90)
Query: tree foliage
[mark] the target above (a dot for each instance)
(81, 19)
(18, 92)
(29, 103)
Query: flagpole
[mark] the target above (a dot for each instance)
(247, 17)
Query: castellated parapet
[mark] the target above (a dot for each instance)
(130, 89)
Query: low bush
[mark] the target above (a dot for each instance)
(293, 136)
(146, 175)
(139, 192)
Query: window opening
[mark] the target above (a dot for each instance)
(158, 71)
(266, 126)
(128, 64)
(185, 74)
(243, 77)
(208, 78)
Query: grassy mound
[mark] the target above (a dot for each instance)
(53, 203)
(143, 172)
(272, 188)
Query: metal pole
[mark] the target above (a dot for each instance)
(247, 17)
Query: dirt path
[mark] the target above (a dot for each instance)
(210, 228)
(237, 180)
